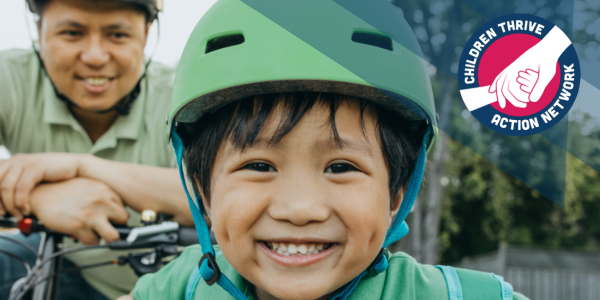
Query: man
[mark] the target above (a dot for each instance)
(87, 96)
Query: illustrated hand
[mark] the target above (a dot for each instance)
(80, 207)
(540, 59)
(20, 174)
(527, 80)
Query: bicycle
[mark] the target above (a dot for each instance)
(41, 282)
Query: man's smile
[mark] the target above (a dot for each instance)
(95, 84)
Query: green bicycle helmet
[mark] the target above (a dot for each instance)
(242, 48)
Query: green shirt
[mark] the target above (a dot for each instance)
(33, 119)
(405, 279)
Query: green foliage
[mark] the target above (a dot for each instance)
(484, 206)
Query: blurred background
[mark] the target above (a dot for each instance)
(481, 205)
(472, 212)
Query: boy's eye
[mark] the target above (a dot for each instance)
(260, 167)
(340, 168)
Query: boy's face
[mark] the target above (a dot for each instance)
(304, 195)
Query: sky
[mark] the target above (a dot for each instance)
(176, 23)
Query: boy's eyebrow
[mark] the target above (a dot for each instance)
(344, 144)
(322, 145)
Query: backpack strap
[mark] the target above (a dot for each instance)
(452, 281)
(483, 286)
(507, 289)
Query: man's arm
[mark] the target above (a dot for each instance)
(80, 207)
(141, 187)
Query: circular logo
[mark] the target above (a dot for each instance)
(519, 74)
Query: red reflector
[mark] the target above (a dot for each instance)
(25, 226)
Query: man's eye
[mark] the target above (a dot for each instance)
(71, 33)
(117, 35)
(340, 168)
(260, 167)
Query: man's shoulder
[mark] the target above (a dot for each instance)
(17, 60)
(161, 75)
(159, 78)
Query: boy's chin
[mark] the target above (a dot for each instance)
(286, 293)
(297, 291)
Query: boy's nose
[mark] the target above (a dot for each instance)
(301, 202)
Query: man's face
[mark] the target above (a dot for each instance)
(302, 217)
(92, 50)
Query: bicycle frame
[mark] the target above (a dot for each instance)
(48, 290)
(161, 237)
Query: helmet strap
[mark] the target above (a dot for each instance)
(207, 267)
(122, 107)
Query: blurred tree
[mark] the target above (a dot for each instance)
(468, 204)
(484, 206)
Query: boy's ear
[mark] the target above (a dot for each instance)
(396, 202)
(205, 202)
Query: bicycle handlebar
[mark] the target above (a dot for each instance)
(130, 237)
(161, 236)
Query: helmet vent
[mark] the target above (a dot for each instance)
(224, 42)
(373, 39)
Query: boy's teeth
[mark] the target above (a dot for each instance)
(96, 81)
(292, 249)
(302, 249)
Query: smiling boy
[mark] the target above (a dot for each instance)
(306, 168)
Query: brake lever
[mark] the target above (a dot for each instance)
(148, 236)
(149, 262)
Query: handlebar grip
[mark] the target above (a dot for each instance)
(187, 236)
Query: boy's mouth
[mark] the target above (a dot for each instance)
(297, 250)
(299, 253)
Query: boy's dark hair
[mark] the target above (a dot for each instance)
(242, 121)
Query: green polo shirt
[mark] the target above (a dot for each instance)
(404, 279)
(33, 120)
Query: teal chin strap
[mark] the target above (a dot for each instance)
(207, 267)
(209, 271)
(399, 228)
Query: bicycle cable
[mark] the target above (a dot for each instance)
(25, 263)
(47, 277)
(31, 276)
(22, 244)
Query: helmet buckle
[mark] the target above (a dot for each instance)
(371, 269)
(212, 263)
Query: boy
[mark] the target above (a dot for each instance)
(306, 170)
